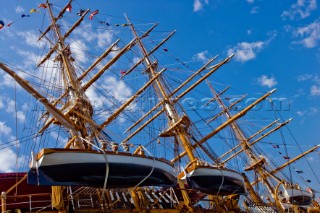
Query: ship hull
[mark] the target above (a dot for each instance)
(298, 196)
(61, 167)
(216, 181)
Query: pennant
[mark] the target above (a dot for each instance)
(93, 14)
(122, 72)
(81, 12)
(1, 24)
(165, 49)
(69, 8)
(23, 15)
(103, 22)
(309, 181)
(275, 146)
(10, 24)
(124, 25)
(33, 10)
(286, 157)
(44, 6)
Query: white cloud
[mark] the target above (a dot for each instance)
(31, 38)
(118, 89)
(309, 77)
(104, 38)
(301, 9)
(309, 35)
(1, 103)
(21, 116)
(301, 113)
(30, 59)
(4, 129)
(255, 10)
(308, 112)
(19, 9)
(266, 81)
(315, 90)
(202, 56)
(96, 100)
(11, 108)
(250, 1)
(246, 51)
(7, 160)
(304, 77)
(78, 49)
(198, 5)
(87, 35)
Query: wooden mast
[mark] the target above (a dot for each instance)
(255, 161)
(174, 118)
(161, 92)
(288, 163)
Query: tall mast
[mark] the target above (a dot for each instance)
(255, 161)
(173, 116)
(68, 70)
(77, 104)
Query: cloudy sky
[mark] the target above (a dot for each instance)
(276, 45)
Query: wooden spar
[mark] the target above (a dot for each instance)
(256, 163)
(177, 98)
(225, 124)
(128, 102)
(254, 196)
(149, 53)
(288, 163)
(75, 25)
(70, 73)
(44, 33)
(173, 116)
(214, 68)
(206, 151)
(59, 16)
(63, 10)
(56, 113)
(261, 130)
(98, 60)
(194, 75)
(79, 79)
(16, 184)
(170, 95)
(257, 140)
(214, 98)
(227, 109)
(52, 50)
(113, 60)
(45, 58)
(248, 139)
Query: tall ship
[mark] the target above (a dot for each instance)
(130, 127)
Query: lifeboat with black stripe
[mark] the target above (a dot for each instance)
(93, 168)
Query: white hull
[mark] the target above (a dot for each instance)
(78, 167)
(213, 180)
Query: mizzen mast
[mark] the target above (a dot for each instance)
(256, 163)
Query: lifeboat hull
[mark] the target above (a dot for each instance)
(88, 168)
(298, 196)
(216, 181)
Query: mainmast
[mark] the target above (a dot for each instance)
(256, 163)
(175, 121)
(78, 102)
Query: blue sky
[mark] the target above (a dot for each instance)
(276, 45)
